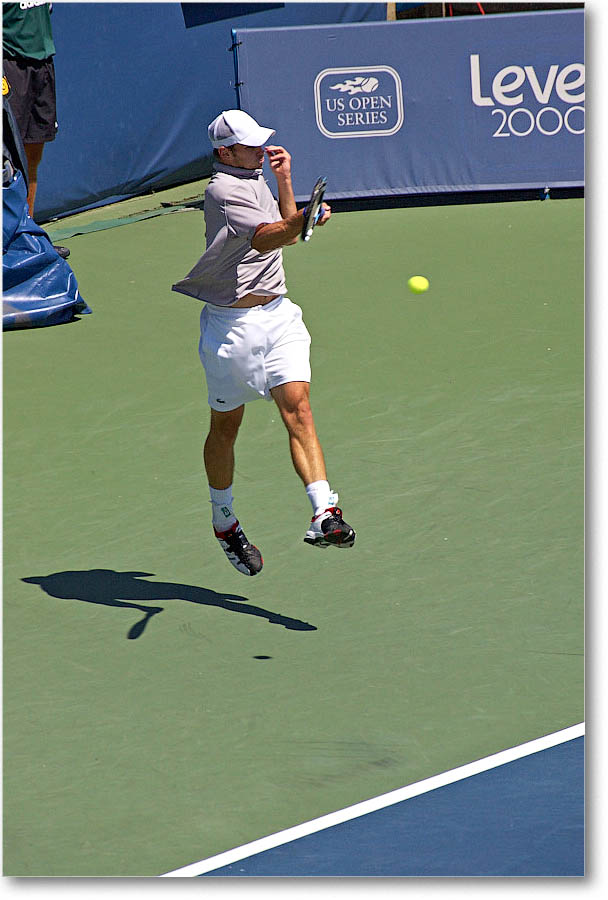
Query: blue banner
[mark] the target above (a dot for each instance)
(137, 85)
(491, 102)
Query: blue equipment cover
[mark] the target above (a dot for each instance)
(481, 103)
(39, 287)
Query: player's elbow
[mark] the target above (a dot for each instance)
(263, 240)
(267, 238)
(264, 245)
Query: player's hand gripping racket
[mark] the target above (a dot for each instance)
(313, 210)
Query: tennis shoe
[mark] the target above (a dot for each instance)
(244, 556)
(329, 529)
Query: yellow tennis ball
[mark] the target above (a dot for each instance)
(418, 284)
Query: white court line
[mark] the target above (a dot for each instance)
(368, 806)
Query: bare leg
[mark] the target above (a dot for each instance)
(327, 528)
(218, 451)
(219, 464)
(33, 153)
(293, 402)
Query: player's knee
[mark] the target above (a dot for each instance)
(227, 434)
(299, 415)
(224, 428)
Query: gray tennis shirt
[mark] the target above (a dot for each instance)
(236, 202)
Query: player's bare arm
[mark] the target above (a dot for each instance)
(280, 165)
(271, 236)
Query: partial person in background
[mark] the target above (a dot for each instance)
(27, 61)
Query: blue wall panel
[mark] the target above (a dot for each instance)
(136, 89)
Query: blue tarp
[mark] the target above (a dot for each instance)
(39, 287)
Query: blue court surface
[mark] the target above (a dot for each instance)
(525, 817)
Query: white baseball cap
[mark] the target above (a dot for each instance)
(233, 126)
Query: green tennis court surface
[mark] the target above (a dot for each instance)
(452, 424)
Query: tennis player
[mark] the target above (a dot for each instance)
(253, 341)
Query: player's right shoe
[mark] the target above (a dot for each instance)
(244, 556)
(329, 529)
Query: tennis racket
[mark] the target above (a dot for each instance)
(313, 210)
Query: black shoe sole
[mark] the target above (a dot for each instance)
(339, 540)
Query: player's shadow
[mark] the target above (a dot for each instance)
(126, 590)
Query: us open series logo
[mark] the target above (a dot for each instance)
(358, 102)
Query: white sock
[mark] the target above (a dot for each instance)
(221, 504)
(318, 494)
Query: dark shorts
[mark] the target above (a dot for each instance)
(32, 98)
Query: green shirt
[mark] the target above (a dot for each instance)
(26, 30)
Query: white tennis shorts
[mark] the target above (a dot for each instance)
(247, 352)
